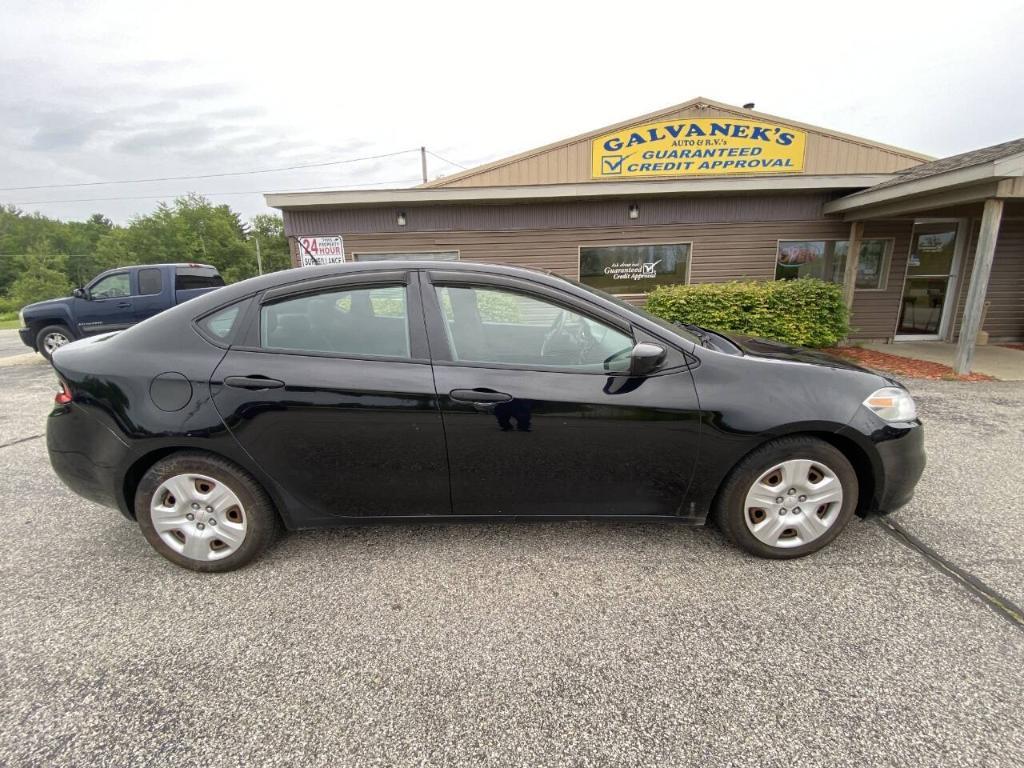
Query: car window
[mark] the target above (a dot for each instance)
(487, 325)
(220, 324)
(150, 281)
(362, 321)
(111, 287)
(190, 278)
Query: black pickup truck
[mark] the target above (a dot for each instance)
(112, 301)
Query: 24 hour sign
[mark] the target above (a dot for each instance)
(698, 147)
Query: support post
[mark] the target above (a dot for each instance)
(852, 262)
(423, 163)
(990, 220)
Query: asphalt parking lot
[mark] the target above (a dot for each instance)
(584, 644)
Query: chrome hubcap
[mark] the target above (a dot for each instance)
(52, 341)
(793, 503)
(198, 517)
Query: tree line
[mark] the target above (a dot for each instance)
(43, 258)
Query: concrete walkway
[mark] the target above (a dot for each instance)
(992, 360)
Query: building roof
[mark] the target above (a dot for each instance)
(956, 162)
(970, 177)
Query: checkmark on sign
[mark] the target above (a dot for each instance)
(611, 165)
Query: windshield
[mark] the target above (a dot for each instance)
(678, 330)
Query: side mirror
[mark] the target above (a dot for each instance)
(645, 358)
(79, 293)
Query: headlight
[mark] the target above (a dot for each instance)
(892, 404)
(21, 317)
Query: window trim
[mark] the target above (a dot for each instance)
(138, 280)
(579, 261)
(357, 254)
(249, 337)
(441, 351)
(886, 258)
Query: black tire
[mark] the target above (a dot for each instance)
(41, 337)
(730, 515)
(261, 519)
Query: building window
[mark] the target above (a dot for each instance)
(826, 260)
(412, 256)
(634, 268)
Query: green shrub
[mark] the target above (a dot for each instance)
(804, 312)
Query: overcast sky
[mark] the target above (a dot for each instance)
(104, 91)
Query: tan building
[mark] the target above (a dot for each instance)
(706, 192)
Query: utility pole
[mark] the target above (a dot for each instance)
(259, 261)
(423, 162)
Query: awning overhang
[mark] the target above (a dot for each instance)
(1001, 178)
(562, 192)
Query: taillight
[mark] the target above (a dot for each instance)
(64, 396)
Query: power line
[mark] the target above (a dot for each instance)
(446, 160)
(213, 175)
(217, 194)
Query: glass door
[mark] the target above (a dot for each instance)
(927, 292)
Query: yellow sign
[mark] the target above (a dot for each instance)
(716, 146)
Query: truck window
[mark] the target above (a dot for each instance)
(111, 287)
(188, 278)
(150, 281)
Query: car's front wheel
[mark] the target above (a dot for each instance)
(51, 338)
(203, 512)
(788, 498)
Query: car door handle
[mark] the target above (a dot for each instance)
(479, 396)
(253, 382)
(124, 305)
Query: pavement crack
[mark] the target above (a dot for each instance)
(20, 440)
(999, 603)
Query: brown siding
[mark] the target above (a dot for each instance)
(570, 214)
(732, 238)
(875, 312)
(570, 162)
(720, 252)
(1005, 318)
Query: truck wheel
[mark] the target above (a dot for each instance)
(51, 338)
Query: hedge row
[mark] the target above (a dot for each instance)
(804, 312)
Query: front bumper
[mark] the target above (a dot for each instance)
(897, 457)
(87, 456)
(28, 338)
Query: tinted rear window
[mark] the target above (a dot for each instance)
(187, 278)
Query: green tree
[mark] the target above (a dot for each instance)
(43, 277)
(269, 229)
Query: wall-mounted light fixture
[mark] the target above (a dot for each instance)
(401, 218)
(634, 211)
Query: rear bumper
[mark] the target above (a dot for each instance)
(87, 456)
(28, 338)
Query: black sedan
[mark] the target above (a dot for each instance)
(319, 396)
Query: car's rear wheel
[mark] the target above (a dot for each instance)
(788, 498)
(51, 338)
(203, 512)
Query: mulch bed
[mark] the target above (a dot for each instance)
(1013, 346)
(903, 366)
